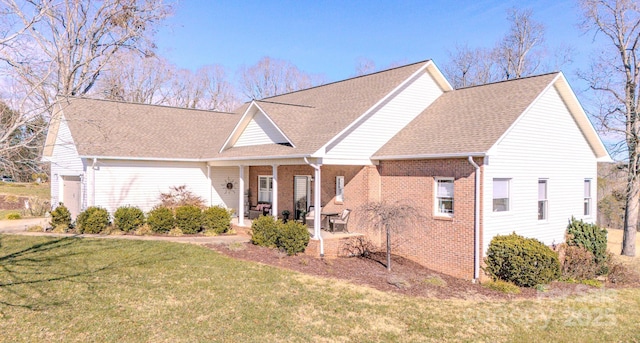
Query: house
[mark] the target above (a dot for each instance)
(516, 155)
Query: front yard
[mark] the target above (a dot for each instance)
(72, 289)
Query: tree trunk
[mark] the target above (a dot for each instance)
(632, 206)
(388, 249)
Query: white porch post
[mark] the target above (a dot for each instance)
(274, 190)
(241, 197)
(317, 190)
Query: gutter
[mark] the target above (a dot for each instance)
(476, 223)
(316, 196)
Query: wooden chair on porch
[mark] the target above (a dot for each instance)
(310, 216)
(340, 221)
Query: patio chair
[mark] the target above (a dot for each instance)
(310, 216)
(340, 221)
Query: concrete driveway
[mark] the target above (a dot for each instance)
(20, 226)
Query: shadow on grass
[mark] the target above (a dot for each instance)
(31, 276)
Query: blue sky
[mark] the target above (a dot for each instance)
(328, 37)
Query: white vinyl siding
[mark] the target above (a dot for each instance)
(139, 183)
(545, 143)
(367, 137)
(64, 162)
(220, 194)
(260, 130)
(444, 197)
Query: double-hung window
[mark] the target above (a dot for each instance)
(265, 192)
(587, 197)
(543, 205)
(444, 197)
(500, 195)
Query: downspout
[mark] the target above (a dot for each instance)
(93, 181)
(476, 223)
(316, 222)
(210, 185)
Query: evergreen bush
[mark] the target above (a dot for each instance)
(578, 263)
(293, 237)
(264, 231)
(93, 220)
(189, 218)
(592, 238)
(60, 216)
(161, 219)
(524, 261)
(216, 218)
(128, 218)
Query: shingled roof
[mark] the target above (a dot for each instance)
(106, 128)
(466, 120)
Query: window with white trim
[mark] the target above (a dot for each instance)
(265, 188)
(543, 203)
(501, 195)
(339, 188)
(444, 197)
(587, 197)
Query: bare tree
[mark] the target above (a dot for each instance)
(615, 76)
(270, 77)
(364, 66)
(390, 217)
(468, 67)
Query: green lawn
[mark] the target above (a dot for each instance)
(84, 290)
(42, 190)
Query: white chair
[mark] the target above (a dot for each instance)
(341, 221)
(310, 216)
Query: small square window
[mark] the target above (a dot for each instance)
(444, 197)
(501, 195)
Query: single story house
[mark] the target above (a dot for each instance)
(516, 155)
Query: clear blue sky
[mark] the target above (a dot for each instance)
(328, 37)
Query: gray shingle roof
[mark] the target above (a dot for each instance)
(467, 120)
(117, 129)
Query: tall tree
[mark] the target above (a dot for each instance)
(615, 76)
(270, 77)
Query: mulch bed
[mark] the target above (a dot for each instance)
(406, 277)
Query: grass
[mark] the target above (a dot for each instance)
(79, 290)
(42, 190)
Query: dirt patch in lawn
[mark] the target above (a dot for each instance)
(406, 277)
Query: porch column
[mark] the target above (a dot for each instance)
(317, 190)
(274, 190)
(241, 197)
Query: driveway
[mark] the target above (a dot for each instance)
(19, 227)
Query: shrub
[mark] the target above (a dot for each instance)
(523, 261)
(60, 216)
(36, 207)
(264, 231)
(592, 238)
(14, 216)
(293, 237)
(128, 218)
(161, 219)
(216, 218)
(35, 228)
(502, 286)
(143, 230)
(578, 263)
(93, 220)
(180, 196)
(175, 232)
(188, 218)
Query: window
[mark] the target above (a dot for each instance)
(500, 195)
(542, 199)
(339, 188)
(587, 197)
(444, 197)
(265, 184)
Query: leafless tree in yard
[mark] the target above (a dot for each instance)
(207, 88)
(391, 218)
(270, 77)
(615, 76)
(468, 67)
(364, 66)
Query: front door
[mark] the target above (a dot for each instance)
(301, 194)
(71, 188)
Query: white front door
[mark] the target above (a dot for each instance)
(71, 194)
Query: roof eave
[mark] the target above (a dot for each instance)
(429, 156)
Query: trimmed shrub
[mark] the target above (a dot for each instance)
(175, 232)
(14, 216)
(293, 237)
(578, 263)
(188, 219)
(161, 219)
(264, 231)
(592, 238)
(143, 230)
(502, 286)
(60, 216)
(524, 261)
(216, 218)
(93, 220)
(128, 218)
